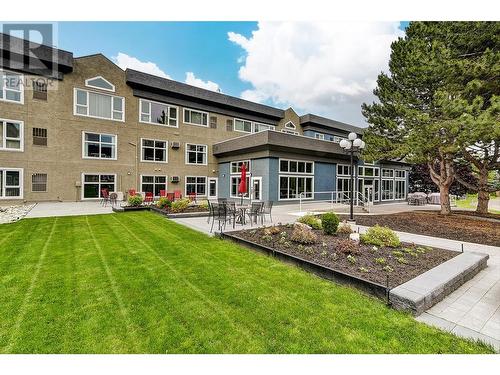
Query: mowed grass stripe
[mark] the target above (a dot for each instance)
(181, 306)
(28, 295)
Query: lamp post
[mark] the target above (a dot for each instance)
(351, 145)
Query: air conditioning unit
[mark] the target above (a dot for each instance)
(176, 145)
(175, 179)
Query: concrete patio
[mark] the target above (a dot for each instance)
(49, 209)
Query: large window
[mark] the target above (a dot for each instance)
(236, 166)
(157, 113)
(153, 150)
(236, 178)
(246, 126)
(99, 146)
(291, 184)
(296, 166)
(11, 183)
(368, 171)
(400, 189)
(97, 105)
(11, 87)
(343, 170)
(153, 184)
(196, 154)
(196, 185)
(94, 184)
(11, 135)
(389, 173)
(387, 189)
(193, 117)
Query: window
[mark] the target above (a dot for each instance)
(196, 154)
(100, 83)
(40, 136)
(153, 184)
(388, 173)
(11, 87)
(99, 146)
(296, 166)
(294, 187)
(236, 166)
(400, 189)
(196, 185)
(400, 174)
(235, 183)
(11, 135)
(93, 184)
(289, 132)
(387, 190)
(368, 171)
(193, 117)
(157, 113)
(242, 126)
(290, 125)
(40, 90)
(39, 182)
(153, 150)
(96, 105)
(246, 126)
(343, 170)
(319, 136)
(262, 127)
(11, 183)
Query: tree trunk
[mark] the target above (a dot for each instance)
(483, 195)
(444, 195)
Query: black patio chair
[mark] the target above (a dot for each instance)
(220, 214)
(266, 210)
(256, 212)
(210, 211)
(231, 211)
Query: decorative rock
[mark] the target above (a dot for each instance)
(12, 214)
(354, 237)
(301, 226)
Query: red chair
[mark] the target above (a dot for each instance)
(163, 193)
(170, 197)
(148, 198)
(177, 194)
(104, 197)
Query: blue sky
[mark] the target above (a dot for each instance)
(323, 68)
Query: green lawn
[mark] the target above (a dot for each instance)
(470, 203)
(137, 283)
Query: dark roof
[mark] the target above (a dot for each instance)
(324, 122)
(44, 60)
(146, 81)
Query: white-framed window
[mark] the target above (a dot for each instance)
(336, 139)
(400, 190)
(11, 135)
(11, 183)
(100, 83)
(154, 151)
(98, 105)
(196, 185)
(11, 87)
(319, 136)
(99, 146)
(400, 173)
(245, 126)
(235, 183)
(343, 170)
(291, 187)
(39, 182)
(236, 166)
(156, 113)
(287, 131)
(290, 125)
(196, 154)
(368, 171)
(94, 183)
(296, 166)
(387, 189)
(387, 173)
(194, 117)
(153, 184)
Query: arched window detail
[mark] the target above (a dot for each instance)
(100, 83)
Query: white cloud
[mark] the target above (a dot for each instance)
(125, 61)
(328, 68)
(209, 85)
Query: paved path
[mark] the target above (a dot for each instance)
(48, 209)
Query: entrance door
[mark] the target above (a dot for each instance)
(256, 188)
(368, 191)
(212, 187)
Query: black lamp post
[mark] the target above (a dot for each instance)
(351, 145)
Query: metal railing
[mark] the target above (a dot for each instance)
(334, 198)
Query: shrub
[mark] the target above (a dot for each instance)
(272, 230)
(203, 205)
(346, 246)
(330, 222)
(135, 200)
(267, 238)
(311, 220)
(351, 259)
(380, 260)
(344, 228)
(402, 260)
(163, 202)
(303, 236)
(180, 205)
(363, 269)
(380, 236)
(397, 254)
(388, 269)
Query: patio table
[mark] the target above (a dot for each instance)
(434, 198)
(242, 210)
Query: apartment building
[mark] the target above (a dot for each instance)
(104, 128)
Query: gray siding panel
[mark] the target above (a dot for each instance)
(324, 179)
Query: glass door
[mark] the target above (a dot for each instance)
(256, 188)
(212, 187)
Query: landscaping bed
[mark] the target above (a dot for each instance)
(431, 223)
(191, 211)
(368, 262)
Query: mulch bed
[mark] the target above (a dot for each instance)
(190, 209)
(431, 223)
(419, 259)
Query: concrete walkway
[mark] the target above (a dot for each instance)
(49, 209)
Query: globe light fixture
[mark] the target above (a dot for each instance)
(351, 145)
